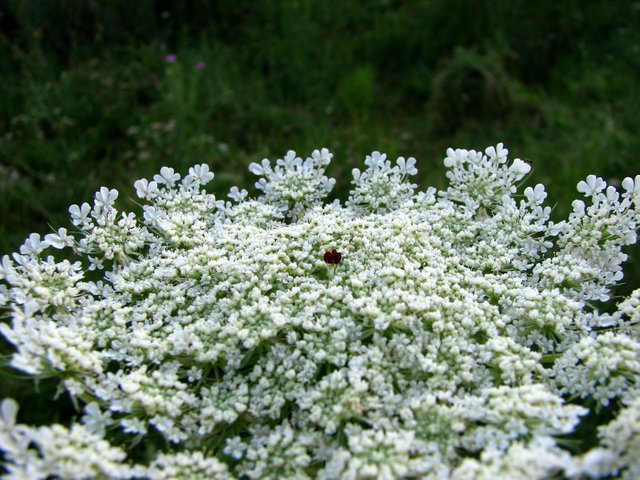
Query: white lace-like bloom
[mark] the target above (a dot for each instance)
(402, 334)
(540, 459)
(620, 441)
(627, 318)
(606, 367)
(382, 188)
(294, 185)
(191, 465)
(479, 180)
(46, 452)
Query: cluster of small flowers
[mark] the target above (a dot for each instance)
(437, 335)
(627, 318)
(621, 443)
(601, 367)
(590, 242)
(480, 179)
(56, 451)
(381, 188)
(293, 185)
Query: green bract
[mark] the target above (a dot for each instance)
(456, 336)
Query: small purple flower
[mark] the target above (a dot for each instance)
(171, 58)
(200, 65)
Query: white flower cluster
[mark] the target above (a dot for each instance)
(436, 335)
(621, 443)
(617, 457)
(381, 188)
(56, 451)
(293, 185)
(627, 318)
(602, 367)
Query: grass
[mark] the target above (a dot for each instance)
(87, 98)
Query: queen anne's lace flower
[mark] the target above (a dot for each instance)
(606, 367)
(294, 185)
(57, 452)
(618, 455)
(382, 188)
(434, 335)
(187, 465)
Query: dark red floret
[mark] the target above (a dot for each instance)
(333, 257)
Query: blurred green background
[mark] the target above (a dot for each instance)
(87, 97)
